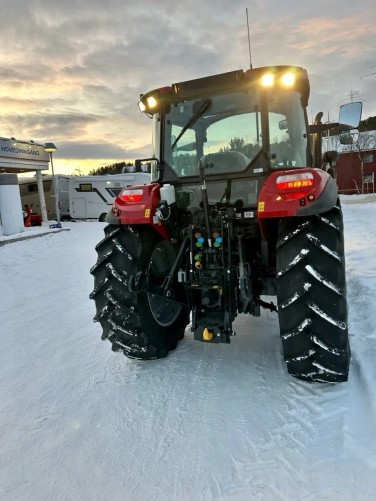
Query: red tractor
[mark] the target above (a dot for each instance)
(240, 206)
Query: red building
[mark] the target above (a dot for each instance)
(354, 167)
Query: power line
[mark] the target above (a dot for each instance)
(370, 67)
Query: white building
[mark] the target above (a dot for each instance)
(25, 157)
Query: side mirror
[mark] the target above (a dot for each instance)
(349, 118)
(349, 115)
(348, 137)
(155, 167)
(282, 124)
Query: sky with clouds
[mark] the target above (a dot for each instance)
(72, 70)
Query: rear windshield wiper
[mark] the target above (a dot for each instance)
(199, 112)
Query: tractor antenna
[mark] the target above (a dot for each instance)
(249, 40)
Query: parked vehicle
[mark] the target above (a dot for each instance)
(241, 205)
(30, 196)
(91, 197)
(79, 197)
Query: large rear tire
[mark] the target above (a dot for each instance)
(142, 325)
(311, 290)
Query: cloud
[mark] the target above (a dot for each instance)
(50, 125)
(73, 71)
(97, 150)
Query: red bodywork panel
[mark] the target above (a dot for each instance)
(281, 198)
(285, 193)
(142, 210)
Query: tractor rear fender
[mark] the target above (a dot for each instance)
(137, 205)
(290, 193)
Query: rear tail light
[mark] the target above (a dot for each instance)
(131, 195)
(296, 181)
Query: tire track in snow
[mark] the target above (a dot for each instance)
(309, 403)
(257, 459)
(362, 370)
(299, 421)
(174, 412)
(251, 466)
(361, 293)
(361, 319)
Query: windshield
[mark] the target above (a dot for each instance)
(225, 132)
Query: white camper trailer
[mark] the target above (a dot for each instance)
(91, 197)
(30, 196)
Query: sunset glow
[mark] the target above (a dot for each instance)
(73, 74)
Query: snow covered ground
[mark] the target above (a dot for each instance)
(222, 422)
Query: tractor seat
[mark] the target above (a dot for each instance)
(227, 161)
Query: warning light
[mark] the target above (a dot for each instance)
(131, 195)
(295, 181)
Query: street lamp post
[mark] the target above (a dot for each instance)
(50, 148)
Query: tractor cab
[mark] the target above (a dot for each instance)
(237, 126)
